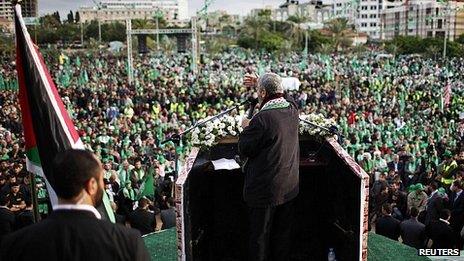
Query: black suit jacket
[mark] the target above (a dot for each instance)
(413, 233)
(74, 235)
(142, 220)
(270, 143)
(441, 234)
(388, 226)
(435, 205)
(7, 222)
(457, 211)
(168, 217)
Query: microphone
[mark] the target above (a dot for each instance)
(253, 100)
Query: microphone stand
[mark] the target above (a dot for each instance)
(176, 138)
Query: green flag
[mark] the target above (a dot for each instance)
(147, 188)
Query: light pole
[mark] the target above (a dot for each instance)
(158, 15)
(99, 28)
(446, 16)
(82, 34)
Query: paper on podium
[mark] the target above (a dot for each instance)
(227, 164)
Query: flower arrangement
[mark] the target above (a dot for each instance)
(212, 132)
(318, 119)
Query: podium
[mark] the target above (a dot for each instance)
(331, 208)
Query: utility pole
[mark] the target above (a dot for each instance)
(194, 45)
(129, 51)
(446, 18)
(158, 15)
(99, 29)
(82, 33)
(98, 5)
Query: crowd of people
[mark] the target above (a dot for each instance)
(402, 118)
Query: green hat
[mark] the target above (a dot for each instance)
(447, 154)
(441, 191)
(412, 188)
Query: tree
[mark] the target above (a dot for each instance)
(57, 16)
(142, 38)
(78, 17)
(70, 17)
(49, 21)
(295, 31)
(6, 45)
(339, 29)
(460, 39)
(115, 31)
(271, 41)
(255, 26)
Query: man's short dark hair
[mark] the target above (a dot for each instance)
(170, 201)
(387, 208)
(457, 184)
(445, 214)
(434, 185)
(143, 202)
(72, 169)
(414, 212)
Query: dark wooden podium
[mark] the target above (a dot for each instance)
(331, 209)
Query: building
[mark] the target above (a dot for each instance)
(218, 20)
(174, 11)
(257, 11)
(29, 8)
(459, 21)
(421, 18)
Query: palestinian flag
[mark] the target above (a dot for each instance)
(48, 129)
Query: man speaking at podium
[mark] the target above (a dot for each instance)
(269, 142)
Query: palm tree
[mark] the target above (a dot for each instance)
(255, 26)
(295, 31)
(142, 38)
(339, 29)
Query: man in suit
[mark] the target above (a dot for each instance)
(168, 216)
(387, 225)
(456, 205)
(434, 204)
(412, 231)
(441, 233)
(270, 143)
(395, 164)
(74, 230)
(7, 218)
(142, 218)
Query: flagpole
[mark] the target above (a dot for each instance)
(35, 204)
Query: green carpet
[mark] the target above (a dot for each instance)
(380, 248)
(162, 245)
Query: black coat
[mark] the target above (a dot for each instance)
(388, 226)
(457, 211)
(74, 235)
(168, 217)
(435, 205)
(7, 222)
(142, 220)
(441, 234)
(413, 233)
(270, 143)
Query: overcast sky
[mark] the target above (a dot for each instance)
(241, 7)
